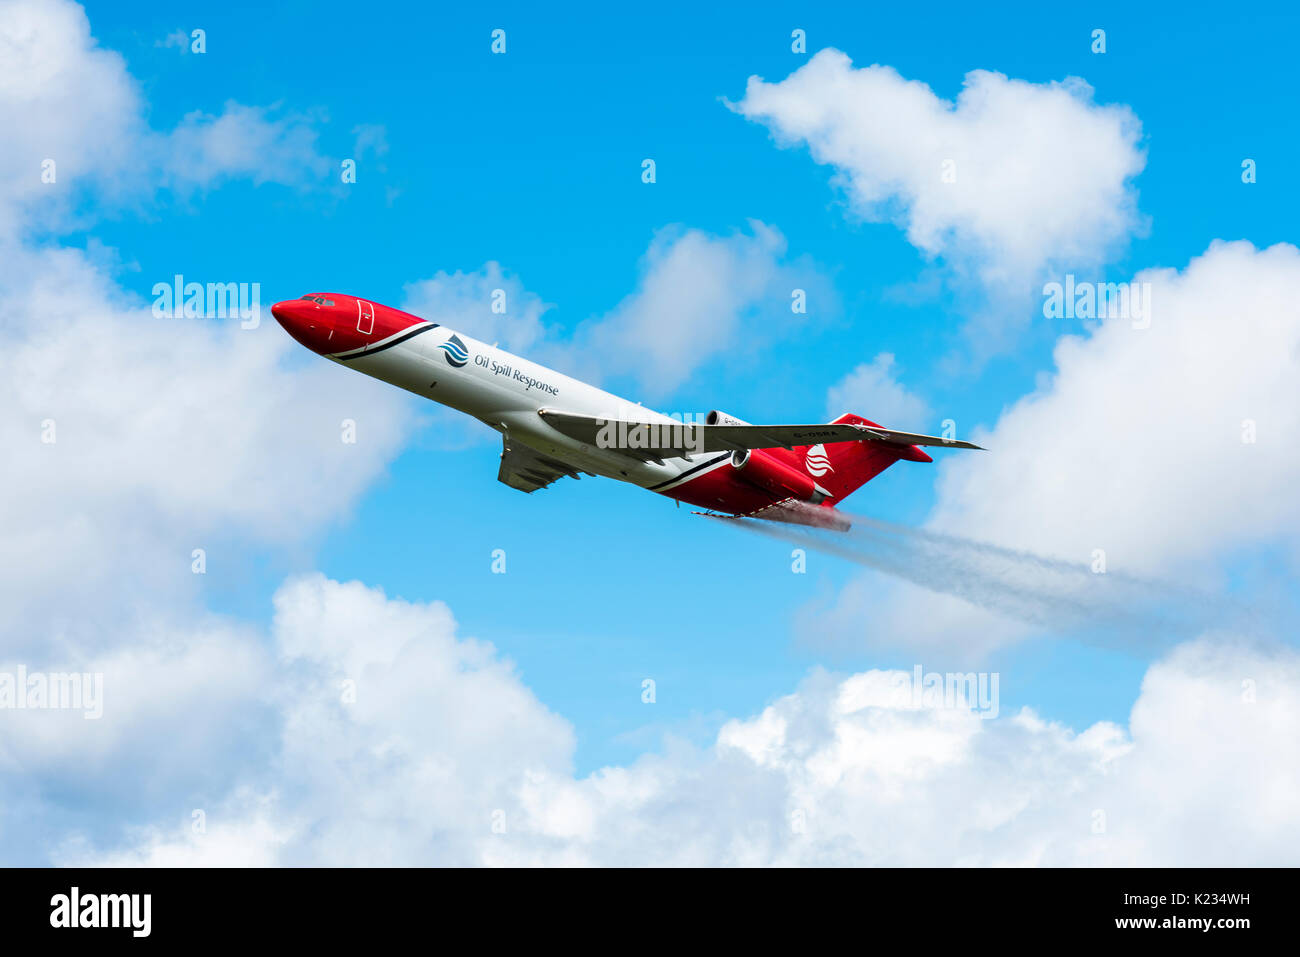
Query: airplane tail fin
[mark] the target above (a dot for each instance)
(842, 468)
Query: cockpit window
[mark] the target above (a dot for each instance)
(319, 299)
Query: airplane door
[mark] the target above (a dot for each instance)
(365, 317)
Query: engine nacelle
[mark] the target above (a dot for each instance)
(721, 418)
(770, 473)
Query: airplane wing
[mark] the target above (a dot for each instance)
(527, 469)
(654, 440)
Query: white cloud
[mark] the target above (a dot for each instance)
(873, 390)
(65, 99)
(371, 140)
(132, 440)
(490, 304)
(204, 682)
(1042, 173)
(440, 735)
(168, 435)
(842, 771)
(251, 842)
(178, 38)
(172, 432)
(880, 612)
(243, 142)
(1135, 443)
(697, 296)
(62, 98)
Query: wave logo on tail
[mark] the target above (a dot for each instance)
(817, 461)
(457, 354)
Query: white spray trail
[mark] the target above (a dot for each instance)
(1117, 609)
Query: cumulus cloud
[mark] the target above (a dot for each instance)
(1165, 445)
(71, 118)
(138, 439)
(844, 770)
(131, 441)
(63, 99)
(212, 672)
(1001, 184)
(697, 294)
(340, 734)
(180, 39)
(490, 304)
(242, 142)
(371, 140)
(1158, 443)
(873, 390)
(373, 696)
(180, 709)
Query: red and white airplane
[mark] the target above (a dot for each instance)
(553, 425)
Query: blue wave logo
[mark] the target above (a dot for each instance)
(457, 354)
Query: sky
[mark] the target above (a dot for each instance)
(315, 649)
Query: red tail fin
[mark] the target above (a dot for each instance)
(842, 468)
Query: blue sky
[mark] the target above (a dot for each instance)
(533, 160)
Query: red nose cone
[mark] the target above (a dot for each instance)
(306, 321)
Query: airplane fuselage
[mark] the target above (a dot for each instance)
(501, 389)
(515, 397)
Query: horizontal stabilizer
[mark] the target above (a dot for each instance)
(894, 437)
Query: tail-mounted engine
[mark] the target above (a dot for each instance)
(771, 474)
(721, 418)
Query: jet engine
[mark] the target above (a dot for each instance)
(768, 472)
(721, 418)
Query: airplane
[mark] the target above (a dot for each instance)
(553, 426)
